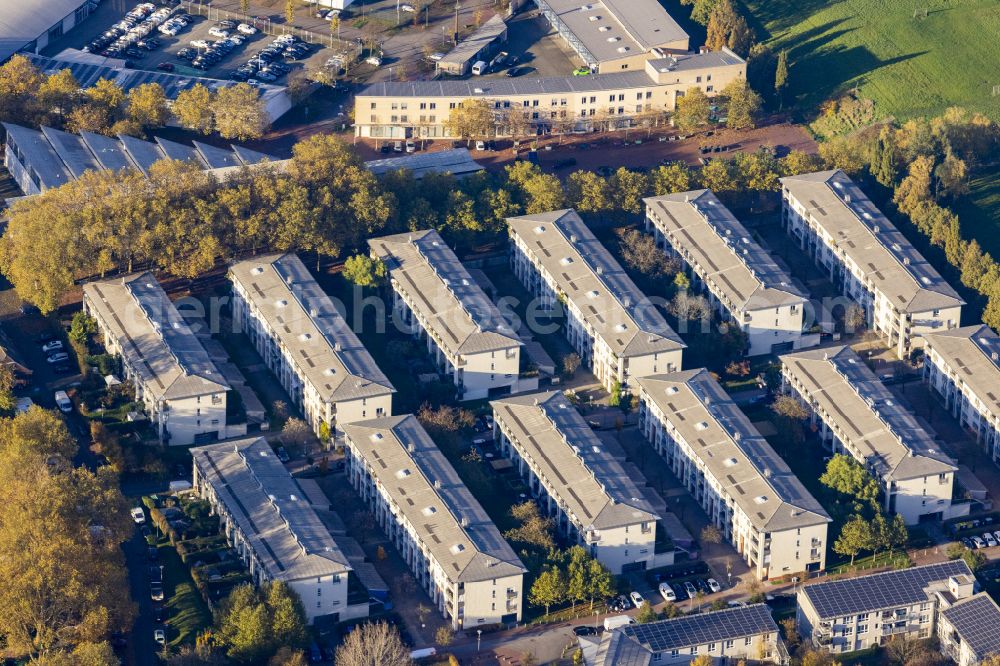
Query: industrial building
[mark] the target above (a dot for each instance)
(31, 26)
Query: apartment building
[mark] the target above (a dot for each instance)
(742, 281)
(963, 366)
(741, 633)
(307, 344)
(746, 489)
(868, 259)
(270, 523)
(183, 392)
(855, 414)
(395, 110)
(615, 35)
(575, 480)
(967, 630)
(867, 611)
(436, 299)
(617, 331)
(455, 552)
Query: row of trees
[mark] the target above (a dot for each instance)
(28, 96)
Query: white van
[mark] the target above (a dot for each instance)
(479, 67)
(63, 402)
(616, 621)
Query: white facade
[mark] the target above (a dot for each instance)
(744, 285)
(435, 298)
(748, 492)
(854, 414)
(868, 611)
(967, 630)
(184, 394)
(868, 259)
(615, 329)
(575, 481)
(453, 549)
(306, 343)
(274, 530)
(961, 365)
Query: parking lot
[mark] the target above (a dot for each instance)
(539, 50)
(222, 47)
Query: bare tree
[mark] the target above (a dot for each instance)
(375, 644)
(296, 434)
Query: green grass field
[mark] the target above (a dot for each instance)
(909, 66)
(979, 211)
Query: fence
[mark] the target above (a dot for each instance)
(342, 46)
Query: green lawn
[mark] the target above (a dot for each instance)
(909, 66)
(188, 613)
(979, 211)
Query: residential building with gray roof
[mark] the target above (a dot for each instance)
(306, 342)
(745, 488)
(963, 366)
(865, 611)
(967, 630)
(182, 390)
(436, 300)
(576, 480)
(271, 524)
(855, 414)
(617, 331)
(868, 259)
(452, 547)
(743, 282)
(742, 633)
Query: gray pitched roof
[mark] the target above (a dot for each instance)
(155, 340)
(732, 450)
(469, 47)
(974, 353)
(506, 87)
(635, 26)
(870, 417)
(426, 490)
(271, 509)
(456, 161)
(563, 449)
(35, 152)
(308, 324)
(976, 620)
(880, 591)
(595, 283)
(694, 630)
(462, 317)
(24, 22)
(860, 230)
(710, 238)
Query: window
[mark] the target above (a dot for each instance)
(709, 88)
(433, 105)
(748, 640)
(423, 105)
(697, 79)
(862, 628)
(711, 647)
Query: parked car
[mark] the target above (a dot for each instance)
(63, 402)
(977, 542)
(480, 145)
(62, 369)
(581, 71)
(374, 60)
(156, 574)
(165, 67)
(408, 8)
(283, 454)
(138, 515)
(584, 630)
(58, 357)
(397, 146)
(516, 71)
(690, 590)
(52, 345)
(990, 541)
(246, 29)
(636, 598)
(667, 592)
(436, 56)
(315, 654)
(713, 585)
(410, 146)
(156, 592)
(160, 636)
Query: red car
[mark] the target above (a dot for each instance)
(165, 67)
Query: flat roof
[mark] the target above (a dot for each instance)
(470, 47)
(564, 451)
(614, 29)
(431, 496)
(23, 22)
(733, 451)
(701, 628)
(271, 509)
(858, 229)
(973, 352)
(155, 340)
(595, 283)
(849, 596)
(870, 417)
(59, 156)
(722, 251)
(681, 62)
(444, 295)
(976, 620)
(456, 161)
(507, 87)
(308, 324)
